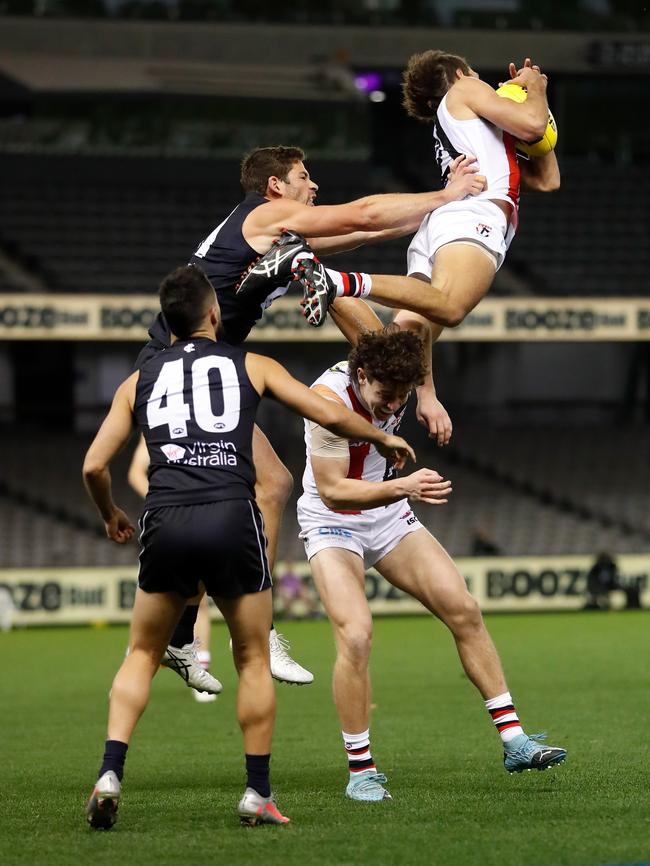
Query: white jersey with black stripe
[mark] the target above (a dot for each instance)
(493, 148)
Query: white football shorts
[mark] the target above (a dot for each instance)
(478, 221)
(370, 534)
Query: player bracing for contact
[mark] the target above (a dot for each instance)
(353, 514)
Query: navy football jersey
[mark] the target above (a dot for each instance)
(224, 256)
(196, 407)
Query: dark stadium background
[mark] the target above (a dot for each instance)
(121, 127)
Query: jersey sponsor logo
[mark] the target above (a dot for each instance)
(202, 453)
(189, 348)
(334, 530)
(173, 453)
(409, 517)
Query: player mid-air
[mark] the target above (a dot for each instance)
(196, 403)
(354, 514)
(459, 247)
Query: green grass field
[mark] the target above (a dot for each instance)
(582, 677)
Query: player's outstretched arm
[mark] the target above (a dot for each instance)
(110, 439)
(270, 377)
(464, 180)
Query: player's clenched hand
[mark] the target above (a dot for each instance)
(426, 485)
(464, 179)
(432, 414)
(119, 528)
(396, 449)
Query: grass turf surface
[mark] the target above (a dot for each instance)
(584, 677)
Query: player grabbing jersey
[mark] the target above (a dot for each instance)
(354, 514)
(196, 403)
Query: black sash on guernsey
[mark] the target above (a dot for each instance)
(224, 255)
(196, 407)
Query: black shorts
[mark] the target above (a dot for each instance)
(221, 544)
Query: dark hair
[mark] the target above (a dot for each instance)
(185, 297)
(391, 356)
(265, 162)
(426, 79)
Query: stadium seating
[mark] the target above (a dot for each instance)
(119, 225)
(533, 491)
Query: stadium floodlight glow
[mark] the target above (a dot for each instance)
(368, 81)
(377, 96)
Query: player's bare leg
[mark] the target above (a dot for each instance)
(249, 620)
(154, 617)
(462, 276)
(153, 620)
(272, 492)
(420, 566)
(339, 577)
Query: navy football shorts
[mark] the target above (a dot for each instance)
(221, 544)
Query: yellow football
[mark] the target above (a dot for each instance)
(547, 142)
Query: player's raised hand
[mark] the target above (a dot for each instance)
(527, 75)
(426, 485)
(464, 178)
(119, 528)
(396, 449)
(432, 414)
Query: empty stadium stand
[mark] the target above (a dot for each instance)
(534, 491)
(118, 225)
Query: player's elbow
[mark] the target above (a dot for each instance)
(92, 467)
(327, 493)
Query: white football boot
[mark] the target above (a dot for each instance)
(185, 663)
(101, 808)
(255, 809)
(283, 667)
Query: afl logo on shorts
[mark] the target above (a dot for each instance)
(483, 230)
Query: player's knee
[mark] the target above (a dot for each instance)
(464, 615)
(356, 642)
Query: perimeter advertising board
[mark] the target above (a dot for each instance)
(52, 596)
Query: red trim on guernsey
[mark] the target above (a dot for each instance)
(358, 453)
(514, 176)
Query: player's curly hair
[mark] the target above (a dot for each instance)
(390, 356)
(265, 162)
(186, 294)
(426, 79)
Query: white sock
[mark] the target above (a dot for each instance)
(350, 284)
(357, 747)
(504, 716)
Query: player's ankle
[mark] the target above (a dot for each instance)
(350, 284)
